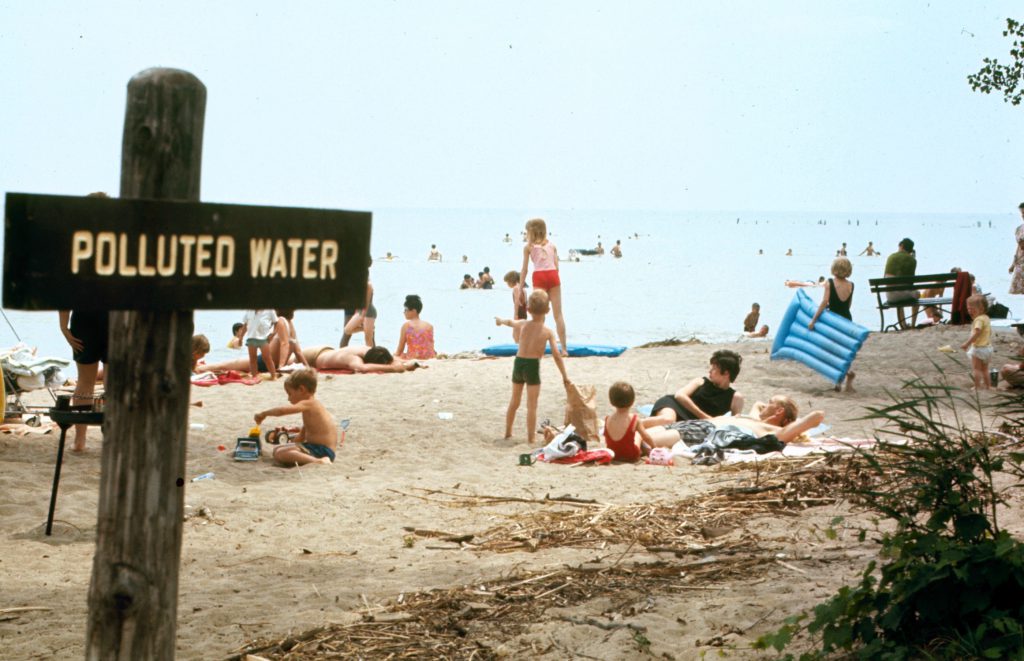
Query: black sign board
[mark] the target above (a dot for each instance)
(89, 253)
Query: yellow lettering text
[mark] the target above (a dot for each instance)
(186, 241)
(203, 255)
(294, 245)
(144, 267)
(328, 259)
(224, 262)
(308, 257)
(81, 248)
(166, 255)
(279, 264)
(106, 251)
(259, 257)
(123, 267)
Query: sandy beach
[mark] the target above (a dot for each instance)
(269, 552)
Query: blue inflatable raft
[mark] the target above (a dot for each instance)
(575, 350)
(829, 349)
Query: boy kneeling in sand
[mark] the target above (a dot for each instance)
(318, 437)
(533, 335)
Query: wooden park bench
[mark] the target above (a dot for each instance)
(921, 283)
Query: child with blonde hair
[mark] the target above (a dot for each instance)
(837, 297)
(533, 337)
(200, 347)
(979, 345)
(318, 438)
(623, 434)
(544, 256)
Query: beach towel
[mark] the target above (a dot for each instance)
(31, 372)
(581, 410)
(600, 456)
(23, 429)
(565, 444)
(962, 289)
(819, 445)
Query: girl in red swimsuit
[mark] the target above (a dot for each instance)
(544, 256)
(622, 435)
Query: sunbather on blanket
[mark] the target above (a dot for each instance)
(277, 348)
(363, 359)
(768, 426)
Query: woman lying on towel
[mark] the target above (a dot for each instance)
(287, 352)
(362, 360)
(766, 428)
(355, 359)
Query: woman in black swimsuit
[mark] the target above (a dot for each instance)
(837, 297)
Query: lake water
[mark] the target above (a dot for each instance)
(681, 275)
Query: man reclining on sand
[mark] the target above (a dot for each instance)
(777, 419)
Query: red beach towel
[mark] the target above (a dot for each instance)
(599, 456)
(962, 289)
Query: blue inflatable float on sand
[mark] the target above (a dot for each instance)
(575, 350)
(829, 349)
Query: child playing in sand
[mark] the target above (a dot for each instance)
(318, 437)
(837, 297)
(750, 322)
(259, 326)
(979, 345)
(545, 271)
(200, 347)
(518, 301)
(622, 433)
(533, 336)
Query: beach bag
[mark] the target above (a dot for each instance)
(581, 410)
(998, 311)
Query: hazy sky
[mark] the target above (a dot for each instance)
(804, 106)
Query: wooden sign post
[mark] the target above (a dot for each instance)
(151, 257)
(133, 595)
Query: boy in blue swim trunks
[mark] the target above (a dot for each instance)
(533, 336)
(318, 438)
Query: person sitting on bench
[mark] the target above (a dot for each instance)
(901, 263)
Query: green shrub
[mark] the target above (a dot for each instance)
(950, 584)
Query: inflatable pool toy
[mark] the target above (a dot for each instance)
(829, 349)
(575, 350)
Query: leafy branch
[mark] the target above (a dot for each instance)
(1005, 78)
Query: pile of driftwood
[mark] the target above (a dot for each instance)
(470, 622)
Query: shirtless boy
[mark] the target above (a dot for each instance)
(318, 438)
(533, 336)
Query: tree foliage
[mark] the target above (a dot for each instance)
(1005, 78)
